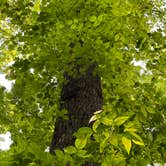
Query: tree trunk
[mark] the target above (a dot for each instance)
(81, 96)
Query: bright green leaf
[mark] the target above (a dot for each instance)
(70, 150)
(83, 154)
(136, 136)
(95, 125)
(127, 144)
(107, 121)
(130, 130)
(59, 154)
(120, 120)
(117, 36)
(92, 18)
(83, 131)
(36, 6)
(80, 143)
(138, 142)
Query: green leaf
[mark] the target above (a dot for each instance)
(36, 6)
(59, 154)
(95, 125)
(130, 130)
(106, 162)
(80, 143)
(136, 136)
(70, 150)
(92, 18)
(120, 120)
(107, 121)
(81, 153)
(127, 144)
(83, 134)
(138, 142)
(114, 140)
(2, 2)
(103, 144)
(117, 37)
(83, 131)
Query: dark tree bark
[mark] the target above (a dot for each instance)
(81, 96)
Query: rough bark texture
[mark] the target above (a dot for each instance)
(81, 96)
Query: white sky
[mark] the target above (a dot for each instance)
(5, 141)
(4, 82)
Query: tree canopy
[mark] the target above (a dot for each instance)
(42, 39)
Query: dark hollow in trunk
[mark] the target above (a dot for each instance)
(81, 96)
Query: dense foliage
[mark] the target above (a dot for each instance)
(40, 39)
